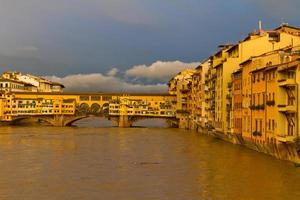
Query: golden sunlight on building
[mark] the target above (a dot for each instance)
(248, 93)
(18, 82)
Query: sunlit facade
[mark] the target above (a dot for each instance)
(252, 93)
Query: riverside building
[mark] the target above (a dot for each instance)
(18, 82)
(181, 86)
(252, 95)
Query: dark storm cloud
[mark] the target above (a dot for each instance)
(61, 37)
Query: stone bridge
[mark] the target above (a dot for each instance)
(63, 109)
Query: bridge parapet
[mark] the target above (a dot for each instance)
(125, 111)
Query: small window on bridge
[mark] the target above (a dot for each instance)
(84, 98)
(68, 100)
(95, 98)
(107, 98)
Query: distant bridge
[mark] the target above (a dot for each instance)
(63, 109)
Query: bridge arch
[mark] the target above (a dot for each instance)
(94, 121)
(73, 120)
(45, 120)
(105, 108)
(83, 108)
(95, 109)
(20, 120)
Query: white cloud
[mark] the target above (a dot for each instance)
(113, 72)
(160, 70)
(100, 83)
(96, 82)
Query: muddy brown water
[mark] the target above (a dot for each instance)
(96, 161)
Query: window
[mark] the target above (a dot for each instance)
(84, 98)
(290, 101)
(260, 126)
(256, 124)
(95, 98)
(290, 130)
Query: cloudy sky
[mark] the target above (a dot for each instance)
(131, 43)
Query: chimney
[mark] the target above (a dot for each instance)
(260, 26)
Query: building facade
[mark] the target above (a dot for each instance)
(250, 94)
(18, 82)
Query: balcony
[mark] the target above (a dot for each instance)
(184, 100)
(285, 138)
(218, 61)
(185, 90)
(287, 108)
(183, 112)
(270, 103)
(286, 82)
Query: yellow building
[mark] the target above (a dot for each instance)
(236, 99)
(181, 85)
(251, 94)
(270, 97)
(228, 59)
(196, 98)
(210, 96)
(18, 82)
(12, 105)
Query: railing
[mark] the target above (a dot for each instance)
(256, 133)
(286, 108)
(257, 107)
(286, 82)
(285, 138)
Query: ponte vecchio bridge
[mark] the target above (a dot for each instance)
(63, 109)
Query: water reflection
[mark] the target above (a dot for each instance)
(139, 163)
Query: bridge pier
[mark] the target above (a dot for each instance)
(122, 121)
(57, 121)
(64, 120)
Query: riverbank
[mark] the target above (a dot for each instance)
(282, 151)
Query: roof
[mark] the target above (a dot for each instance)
(265, 54)
(231, 48)
(56, 83)
(37, 78)
(237, 71)
(11, 80)
(258, 69)
(93, 93)
(246, 61)
(281, 27)
(285, 25)
(199, 67)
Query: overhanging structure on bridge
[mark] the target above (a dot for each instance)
(62, 109)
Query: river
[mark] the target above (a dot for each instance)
(95, 161)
